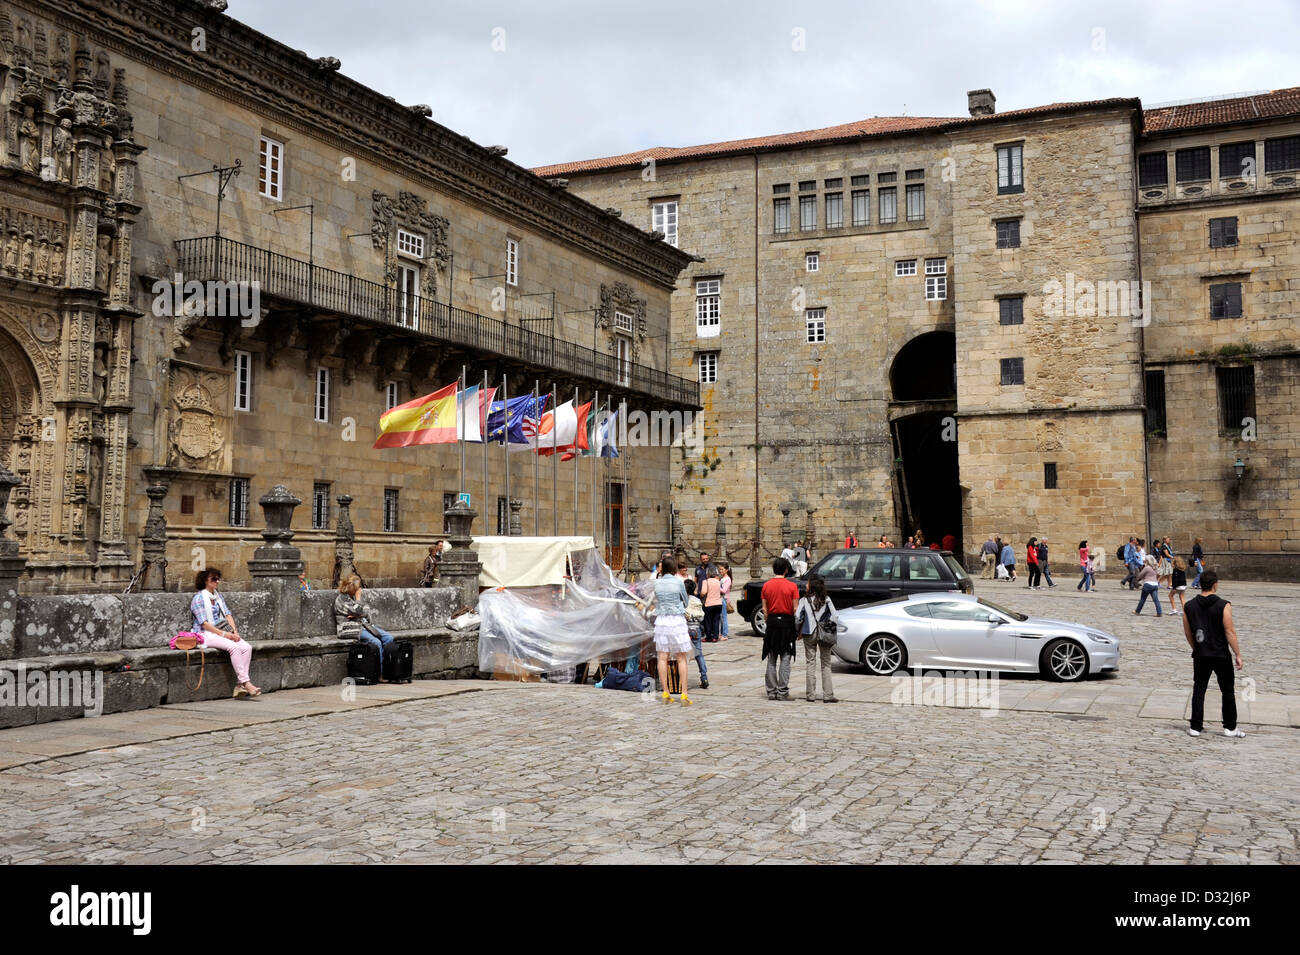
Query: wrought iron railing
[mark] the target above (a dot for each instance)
(279, 276)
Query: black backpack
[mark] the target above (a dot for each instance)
(1119, 554)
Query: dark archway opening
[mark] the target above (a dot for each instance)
(923, 382)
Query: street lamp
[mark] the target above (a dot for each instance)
(1239, 468)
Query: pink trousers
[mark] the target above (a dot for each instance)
(241, 653)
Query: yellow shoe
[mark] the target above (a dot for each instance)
(687, 701)
(667, 698)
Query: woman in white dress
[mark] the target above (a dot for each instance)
(672, 638)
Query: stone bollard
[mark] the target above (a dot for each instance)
(11, 568)
(785, 525)
(277, 563)
(516, 527)
(153, 543)
(344, 537)
(720, 534)
(632, 560)
(460, 565)
(809, 533)
(755, 558)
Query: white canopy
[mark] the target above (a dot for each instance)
(526, 561)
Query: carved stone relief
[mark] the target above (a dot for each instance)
(199, 430)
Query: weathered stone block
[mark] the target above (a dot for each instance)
(82, 622)
(135, 690)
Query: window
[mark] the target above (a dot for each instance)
(833, 183)
(1223, 232)
(390, 396)
(1225, 300)
(881, 567)
(1155, 412)
(888, 206)
(839, 567)
(936, 280)
(860, 181)
(1008, 233)
(815, 320)
(270, 169)
(708, 307)
(905, 267)
(861, 206)
(807, 213)
(1011, 169)
(921, 567)
(622, 322)
(187, 503)
(1153, 170)
(512, 261)
(390, 510)
(812, 262)
(408, 295)
(408, 243)
(1013, 371)
(448, 500)
(1011, 311)
(781, 216)
(1282, 155)
(239, 502)
(916, 202)
(781, 189)
(243, 381)
(322, 394)
(1236, 396)
(1236, 159)
(708, 364)
(1049, 475)
(887, 177)
(1192, 165)
(623, 362)
(663, 218)
(320, 506)
(808, 185)
(914, 174)
(834, 210)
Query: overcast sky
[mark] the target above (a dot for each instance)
(557, 81)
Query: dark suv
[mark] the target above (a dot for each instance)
(864, 575)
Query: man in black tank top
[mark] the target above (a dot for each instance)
(1207, 624)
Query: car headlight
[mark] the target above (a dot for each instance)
(1099, 637)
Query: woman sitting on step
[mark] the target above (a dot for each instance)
(353, 619)
(212, 619)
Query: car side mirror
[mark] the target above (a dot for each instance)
(995, 620)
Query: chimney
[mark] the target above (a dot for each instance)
(981, 102)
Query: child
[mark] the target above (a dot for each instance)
(1178, 587)
(695, 627)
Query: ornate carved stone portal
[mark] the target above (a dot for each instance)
(409, 213)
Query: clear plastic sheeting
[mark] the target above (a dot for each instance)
(538, 630)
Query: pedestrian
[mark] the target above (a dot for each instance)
(1178, 587)
(1031, 564)
(1043, 567)
(352, 619)
(1164, 560)
(800, 559)
(949, 542)
(728, 608)
(1210, 633)
(850, 540)
(815, 611)
(702, 570)
(1150, 584)
(429, 573)
(711, 596)
(1085, 581)
(672, 638)
(1008, 557)
(1129, 557)
(919, 538)
(779, 597)
(988, 557)
(1092, 569)
(1198, 561)
(304, 585)
(911, 543)
(695, 617)
(212, 619)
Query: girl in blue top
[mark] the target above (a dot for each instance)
(671, 634)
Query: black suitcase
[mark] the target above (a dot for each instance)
(399, 661)
(363, 664)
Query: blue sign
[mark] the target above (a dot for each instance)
(463, 498)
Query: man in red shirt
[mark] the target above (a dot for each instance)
(851, 540)
(779, 595)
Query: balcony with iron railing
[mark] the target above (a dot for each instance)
(216, 258)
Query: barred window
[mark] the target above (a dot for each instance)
(238, 502)
(860, 180)
(808, 185)
(780, 216)
(888, 205)
(1225, 300)
(915, 202)
(1155, 410)
(1223, 232)
(1282, 155)
(1236, 159)
(1011, 311)
(905, 267)
(1011, 168)
(887, 177)
(837, 183)
(390, 510)
(1049, 475)
(1013, 371)
(1153, 170)
(781, 189)
(708, 307)
(815, 319)
(708, 366)
(807, 213)
(914, 174)
(834, 210)
(1236, 396)
(1192, 165)
(861, 206)
(1008, 234)
(320, 506)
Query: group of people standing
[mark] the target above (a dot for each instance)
(1161, 568)
(790, 618)
(998, 561)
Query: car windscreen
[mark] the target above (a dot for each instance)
(1003, 610)
(958, 570)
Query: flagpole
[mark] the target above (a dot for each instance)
(505, 438)
(555, 462)
(576, 468)
(483, 396)
(627, 498)
(537, 415)
(460, 419)
(596, 451)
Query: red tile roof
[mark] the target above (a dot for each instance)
(1239, 109)
(862, 129)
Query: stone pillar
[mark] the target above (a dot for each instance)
(277, 563)
(460, 565)
(720, 534)
(11, 568)
(515, 528)
(632, 559)
(809, 534)
(344, 536)
(755, 558)
(675, 530)
(785, 525)
(153, 543)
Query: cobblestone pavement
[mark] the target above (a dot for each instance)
(497, 772)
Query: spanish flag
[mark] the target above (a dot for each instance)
(427, 420)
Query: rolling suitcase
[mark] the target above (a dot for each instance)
(363, 664)
(399, 662)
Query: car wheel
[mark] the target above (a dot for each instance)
(882, 654)
(1064, 661)
(759, 622)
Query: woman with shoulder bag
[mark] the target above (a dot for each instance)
(710, 593)
(213, 620)
(728, 608)
(352, 620)
(818, 624)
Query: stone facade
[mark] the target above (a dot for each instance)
(867, 428)
(377, 244)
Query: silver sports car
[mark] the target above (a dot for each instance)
(949, 630)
